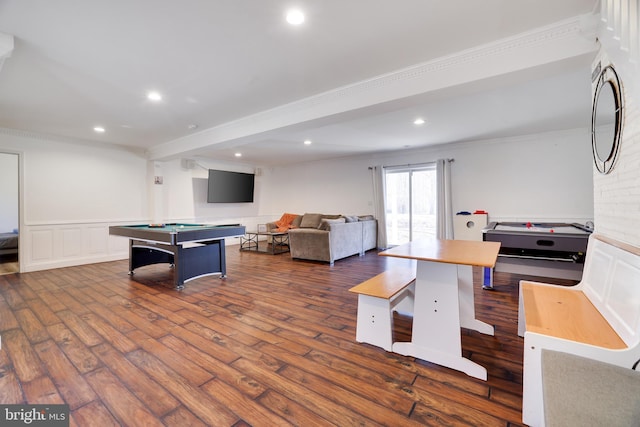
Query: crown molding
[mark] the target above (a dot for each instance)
(37, 136)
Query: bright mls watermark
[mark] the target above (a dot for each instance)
(34, 415)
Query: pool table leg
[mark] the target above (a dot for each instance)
(223, 260)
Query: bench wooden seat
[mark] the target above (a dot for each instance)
(598, 319)
(387, 284)
(548, 308)
(378, 297)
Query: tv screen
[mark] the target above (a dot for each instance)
(230, 187)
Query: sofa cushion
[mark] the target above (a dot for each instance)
(325, 224)
(324, 216)
(296, 222)
(310, 220)
(365, 217)
(351, 218)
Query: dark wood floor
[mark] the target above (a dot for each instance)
(273, 344)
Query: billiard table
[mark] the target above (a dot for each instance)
(544, 249)
(194, 250)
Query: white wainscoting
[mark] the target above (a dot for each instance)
(47, 246)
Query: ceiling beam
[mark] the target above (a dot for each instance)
(534, 49)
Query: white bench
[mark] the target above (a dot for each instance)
(599, 318)
(378, 298)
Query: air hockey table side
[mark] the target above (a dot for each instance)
(554, 250)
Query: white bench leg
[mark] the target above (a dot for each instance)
(404, 302)
(466, 302)
(374, 322)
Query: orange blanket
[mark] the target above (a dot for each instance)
(284, 223)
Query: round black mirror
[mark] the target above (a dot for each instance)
(606, 120)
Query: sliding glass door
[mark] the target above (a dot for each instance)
(410, 203)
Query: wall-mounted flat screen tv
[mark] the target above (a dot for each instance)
(230, 187)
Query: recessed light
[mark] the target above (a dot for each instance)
(192, 126)
(154, 96)
(99, 129)
(238, 154)
(295, 17)
(307, 142)
(418, 121)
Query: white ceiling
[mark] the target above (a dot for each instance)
(225, 65)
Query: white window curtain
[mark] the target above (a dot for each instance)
(377, 177)
(444, 223)
(445, 207)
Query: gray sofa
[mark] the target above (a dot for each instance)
(328, 238)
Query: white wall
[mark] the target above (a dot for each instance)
(71, 194)
(8, 192)
(544, 177)
(184, 195)
(339, 186)
(617, 194)
(74, 184)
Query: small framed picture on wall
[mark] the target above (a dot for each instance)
(262, 228)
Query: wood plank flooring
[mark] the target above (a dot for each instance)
(272, 344)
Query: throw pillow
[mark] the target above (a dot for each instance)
(296, 222)
(310, 220)
(325, 224)
(351, 218)
(331, 216)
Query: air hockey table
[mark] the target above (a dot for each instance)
(538, 249)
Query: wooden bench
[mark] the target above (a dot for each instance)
(598, 319)
(378, 298)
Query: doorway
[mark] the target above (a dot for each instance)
(410, 203)
(9, 213)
